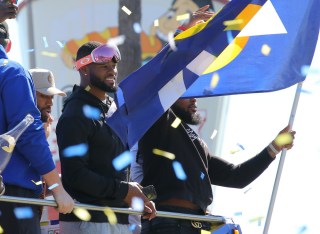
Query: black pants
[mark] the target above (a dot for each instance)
(8, 220)
(173, 226)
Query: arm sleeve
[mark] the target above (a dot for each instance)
(75, 170)
(226, 174)
(19, 100)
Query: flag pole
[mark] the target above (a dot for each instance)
(214, 219)
(282, 159)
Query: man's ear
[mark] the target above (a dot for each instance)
(8, 47)
(84, 71)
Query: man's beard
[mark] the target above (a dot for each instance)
(187, 117)
(44, 116)
(95, 81)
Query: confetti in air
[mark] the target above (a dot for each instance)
(30, 50)
(53, 186)
(307, 70)
(1, 230)
(202, 175)
(137, 28)
(111, 216)
(171, 42)
(176, 123)
(214, 133)
(239, 213)
(165, 154)
(23, 212)
(5, 62)
(49, 54)
(265, 50)
(91, 112)
(283, 139)
(75, 150)
(126, 10)
(183, 17)
(229, 37)
(82, 214)
(205, 232)
(119, 40)
(123, 160)
(241, 146)
(178, 169)
(61, 44)
(156, 23)
(37, 183)
(302, 229)
(45, 42)
(137, 204)
(87, 88)
(236, 22)
(214, 80)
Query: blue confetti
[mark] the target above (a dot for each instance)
(302, 229)
(23, 212)
(75, 150)
(132, 227)
(239, 213)
(229, 37)
(202, 175)
(91, 112)
(45, 42)
(181, 175)
(61, 44)
(241, 146)
(123, 160)
(137, 28)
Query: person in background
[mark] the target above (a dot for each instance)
(45, 90)
(31, 160)
(90, 176)
(8, 10)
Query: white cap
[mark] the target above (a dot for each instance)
(44, 82)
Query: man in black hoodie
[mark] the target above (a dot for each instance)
(191, 193)
(89, 176)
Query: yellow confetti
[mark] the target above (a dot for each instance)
(164, 154)
(49, 54)
(126, 10)
(111, 216)
(265, 50)
(205, 232)
(82, 214)
(156, 23)
(283, 139)
(234, 151)
(232, 22)
(214, 80)
(176, 123)
(37, 183)
(87, 88)
(1, 230)
(5, 62)
(183, 17)
(258, 218)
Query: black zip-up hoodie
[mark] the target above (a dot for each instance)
(90, 178)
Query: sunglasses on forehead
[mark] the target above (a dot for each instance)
(102, 54)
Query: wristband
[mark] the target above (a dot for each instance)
(274, 150)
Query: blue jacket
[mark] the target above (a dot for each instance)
(31, 157)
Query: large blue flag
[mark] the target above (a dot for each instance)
(229, 47)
